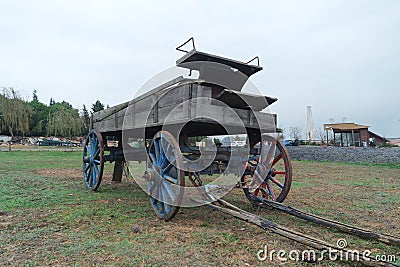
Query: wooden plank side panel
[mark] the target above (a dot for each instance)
(106, 125)
(145, 104)
(182, 102)
(228, 116)
(172, 113)
(174, 96)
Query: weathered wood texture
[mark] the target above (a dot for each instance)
(180, 103)
(385, 238)
(118, 171)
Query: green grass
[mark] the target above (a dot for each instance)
(22, 160)
(48, 217)
(375, 165)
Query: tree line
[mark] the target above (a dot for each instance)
(34, 118)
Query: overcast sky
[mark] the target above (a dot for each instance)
(340, 57)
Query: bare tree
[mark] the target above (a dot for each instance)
(322, 135)
(295, 133)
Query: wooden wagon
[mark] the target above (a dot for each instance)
(162, 125)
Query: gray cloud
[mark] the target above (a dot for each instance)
(340, 57)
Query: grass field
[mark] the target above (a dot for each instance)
(47, 217)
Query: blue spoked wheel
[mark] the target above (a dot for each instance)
(166, 177)
(93, 160)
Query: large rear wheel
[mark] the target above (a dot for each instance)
(166, 177)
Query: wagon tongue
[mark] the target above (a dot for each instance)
(226, 72)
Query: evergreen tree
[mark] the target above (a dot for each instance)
(38, 121)
(97, 106)
(35, 97)
(85, 120)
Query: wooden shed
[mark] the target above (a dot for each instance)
(352, 134)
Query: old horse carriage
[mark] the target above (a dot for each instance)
(162, 125)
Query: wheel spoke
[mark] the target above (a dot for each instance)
(151, 188)
(95, 169)
(270, 191)
(160, 199)
(276, 182)
(170, 179)
(172, 158)
(157, 150)
(90, 177)
(170, 192)
(165, 163)
(168, 151)
(91, 144)
(94, 175)
(277, 159)
(153, 157)
(167, 168)
(157, 193)
(96, 154)
(88, 174)
(244, 182)
(166, 203)
(257, 178)
(162, 145)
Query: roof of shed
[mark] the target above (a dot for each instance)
(344, 126)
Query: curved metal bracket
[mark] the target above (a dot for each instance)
(190, 39)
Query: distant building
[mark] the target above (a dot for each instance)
(352, 134)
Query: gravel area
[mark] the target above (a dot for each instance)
(345, 154)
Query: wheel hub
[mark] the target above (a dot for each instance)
(272, 172)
